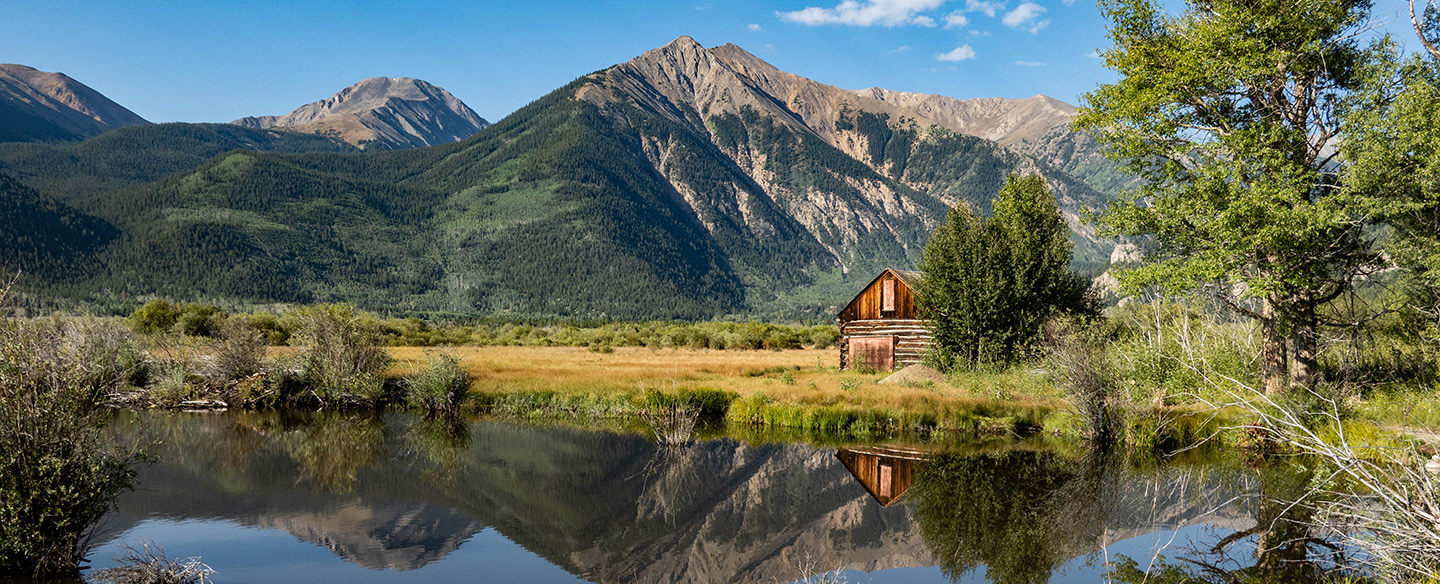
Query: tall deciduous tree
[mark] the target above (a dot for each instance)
(989, 284)
(1391, 146)
(1230, 112)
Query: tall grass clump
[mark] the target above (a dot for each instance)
(57, 474)
(341, 357)
(442, 387)
(671, 418)
(150, 565)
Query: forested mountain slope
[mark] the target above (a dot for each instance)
(142, 154)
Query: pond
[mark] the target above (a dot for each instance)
(271, 497)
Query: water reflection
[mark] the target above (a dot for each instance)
(402, 493)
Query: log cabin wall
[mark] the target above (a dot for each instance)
(885, 308)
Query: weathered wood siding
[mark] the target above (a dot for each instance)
(885, 309)
(911, 339)
(884, 476)
(870, 303)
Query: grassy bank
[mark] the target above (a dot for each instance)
(799, 390)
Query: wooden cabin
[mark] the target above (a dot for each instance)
(884, 472)
(880, 328)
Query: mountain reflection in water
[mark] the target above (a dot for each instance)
(400, 494)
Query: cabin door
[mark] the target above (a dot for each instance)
(872, 352)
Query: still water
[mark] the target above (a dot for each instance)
(267, 497)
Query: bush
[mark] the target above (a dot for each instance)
(238, 352)
(57, 478)
(1075, 357)
(155, 317)
(441, 388)
(341, 357)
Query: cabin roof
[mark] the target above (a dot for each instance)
(910, 277)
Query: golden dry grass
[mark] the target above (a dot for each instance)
(807, 376)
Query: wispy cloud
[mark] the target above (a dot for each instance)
(980, 33)
(754, 28)
(1029, 63)
(961, 53)
(866, 13)
(956, 19)
(1095, 54)
(987, 7)
(1026, 17)
(901, 49)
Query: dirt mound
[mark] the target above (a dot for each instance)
(915, 374)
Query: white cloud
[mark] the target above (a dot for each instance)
(1026, 16)
(980, 33)
(866, 13)
(1029, 63)
(985, 6)
(961, 53)
(754, 28)
(901, 49)
(956, 19)
(1068, 2)
(1095, 54)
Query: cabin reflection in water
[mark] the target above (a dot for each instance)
(885, 472)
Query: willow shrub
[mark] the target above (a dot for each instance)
(58, 476)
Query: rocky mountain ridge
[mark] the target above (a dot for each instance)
(387, 113)
(40, 105)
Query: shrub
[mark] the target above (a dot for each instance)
(57, 478)
(155, 317)
(199, 320)
(442, 387)
(341, 357)
(238, 352)
(1075, 357)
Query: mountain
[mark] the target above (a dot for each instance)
(689, 182)
(142, 154)
(386, 113)
(38, 105)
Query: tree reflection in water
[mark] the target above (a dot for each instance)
(1018, 513)
(440, 441)
(1283, 546)
(333, 447)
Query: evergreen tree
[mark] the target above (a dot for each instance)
(989, 285)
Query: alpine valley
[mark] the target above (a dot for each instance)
(689, 182)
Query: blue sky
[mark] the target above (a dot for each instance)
(213, 61)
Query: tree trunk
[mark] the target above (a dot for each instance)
(1303, 366)
(1273, 356)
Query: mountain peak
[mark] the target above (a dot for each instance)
(384, 112)
(39, 105)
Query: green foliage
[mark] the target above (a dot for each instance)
(989, 285)
(442, 387)
(1238, 193)
(340, 355)
(155, 317)
(57, 476)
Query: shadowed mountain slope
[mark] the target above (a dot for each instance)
(39, 105)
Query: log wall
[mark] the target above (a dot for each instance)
(912, 338)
